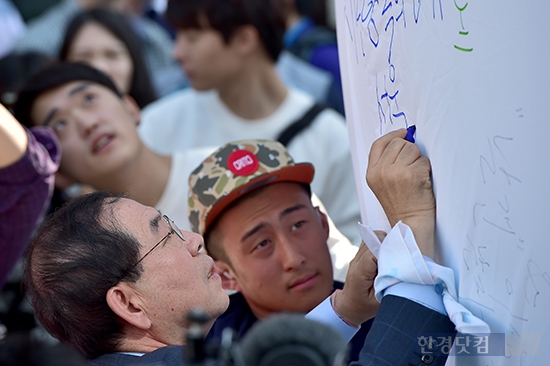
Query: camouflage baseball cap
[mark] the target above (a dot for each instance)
(235, 170)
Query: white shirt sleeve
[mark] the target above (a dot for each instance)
(400, 261)
(324, 313)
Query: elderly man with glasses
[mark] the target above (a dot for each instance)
(108, 274)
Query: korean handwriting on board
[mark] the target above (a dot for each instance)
(494, 216)
(372, 27)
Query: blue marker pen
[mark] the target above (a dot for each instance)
(410, 133)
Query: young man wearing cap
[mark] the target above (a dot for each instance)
(228, 50)
(252, 204)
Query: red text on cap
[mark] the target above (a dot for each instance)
(242, 162)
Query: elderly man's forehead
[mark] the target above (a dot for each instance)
(135, 217)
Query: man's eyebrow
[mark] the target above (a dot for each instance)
(154, 223)
(253, 231)
(80, 87)
(291, 209)
(77, 89)
(49, 117)
(261, 225)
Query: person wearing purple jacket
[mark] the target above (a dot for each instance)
(28, 162)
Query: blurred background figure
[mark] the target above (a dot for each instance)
(45, 34)
(309, 37)
(104, 40)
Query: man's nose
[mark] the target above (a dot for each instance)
(291, 257)
(180, 51)
(87, 122)
(194, 242)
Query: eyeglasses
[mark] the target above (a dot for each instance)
(173, 230)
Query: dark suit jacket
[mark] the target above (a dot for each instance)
(392, 340)
(165, 356)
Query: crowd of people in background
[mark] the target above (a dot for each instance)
(155, 100)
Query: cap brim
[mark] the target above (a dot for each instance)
(298, 173)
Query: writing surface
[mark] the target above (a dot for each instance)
(473, 77)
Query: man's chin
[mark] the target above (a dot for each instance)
(201, 87)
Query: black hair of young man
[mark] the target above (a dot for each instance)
(227, 16)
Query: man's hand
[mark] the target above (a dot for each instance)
(399, 176)
(356, 302)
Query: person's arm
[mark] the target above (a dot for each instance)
(399, 177)
(13, 139)
(418, 296)
(395, 337)
(28, 162)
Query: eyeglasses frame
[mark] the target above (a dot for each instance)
(173, 230)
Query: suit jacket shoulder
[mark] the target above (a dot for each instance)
(165, 356)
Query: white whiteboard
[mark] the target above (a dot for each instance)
(474, 77)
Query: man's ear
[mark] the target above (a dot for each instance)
(324, 221)
(124, 302)
(132, 108)
(229, 282)
(246, 39)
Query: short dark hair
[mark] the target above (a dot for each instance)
(79, 253)
(141, 88)
(212, 236)
(227, 16)
(51, 77)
